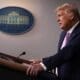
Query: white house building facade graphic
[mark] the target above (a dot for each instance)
(14, 18)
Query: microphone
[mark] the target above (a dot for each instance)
(23, 53)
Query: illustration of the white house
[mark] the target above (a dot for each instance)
(14, 18)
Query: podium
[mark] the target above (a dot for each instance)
(12, 69)
(10, 74)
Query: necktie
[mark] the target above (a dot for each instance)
(66, 39)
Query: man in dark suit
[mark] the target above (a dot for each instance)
(67, 58)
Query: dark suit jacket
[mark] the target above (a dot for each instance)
(68, 59)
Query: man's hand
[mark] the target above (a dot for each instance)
(34, 69)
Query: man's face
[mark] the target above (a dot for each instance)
(64, 20)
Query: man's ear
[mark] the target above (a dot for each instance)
(71, 15)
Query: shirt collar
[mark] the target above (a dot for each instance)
(71, 29)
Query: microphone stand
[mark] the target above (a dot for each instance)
(23, 53)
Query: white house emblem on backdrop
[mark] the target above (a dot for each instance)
(15, 20)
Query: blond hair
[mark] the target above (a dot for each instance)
(69, 8)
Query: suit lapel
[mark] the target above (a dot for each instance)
(61, 39)
(75, 32)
